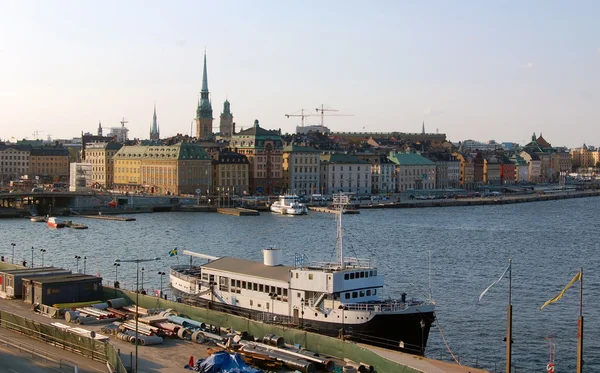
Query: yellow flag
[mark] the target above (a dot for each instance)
(574, 280)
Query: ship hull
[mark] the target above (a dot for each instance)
(396, 331)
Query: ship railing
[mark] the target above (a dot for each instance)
(349, 263)
(378, 307)
(270, 318)
(186, 277)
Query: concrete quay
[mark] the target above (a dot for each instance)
(237, 211)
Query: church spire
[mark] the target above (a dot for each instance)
(204, 76)
(423, 128)
(154, 134)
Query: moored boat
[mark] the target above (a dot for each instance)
(289, 205)
(37, 219)
(55, 222)
(341, 299)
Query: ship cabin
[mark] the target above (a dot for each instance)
(271, 287)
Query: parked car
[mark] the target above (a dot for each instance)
(37, 190)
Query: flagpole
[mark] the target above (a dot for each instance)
(580, 327)
(509, 320)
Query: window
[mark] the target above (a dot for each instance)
(347, 296)
(362, 293)
(254, 286)
(243, 284)
(354, 294)
(368, 292)
(260, 288)
(362, 275)
(374, 291)
(346, 276)
(310, 276)
(352, 276)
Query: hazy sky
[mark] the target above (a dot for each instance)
(471, 69)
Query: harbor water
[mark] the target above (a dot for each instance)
(451, 254)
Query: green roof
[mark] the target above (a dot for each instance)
(341, 158)
(410, 159)
(182, 150)
(299, 149)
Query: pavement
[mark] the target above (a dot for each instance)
(421, 363)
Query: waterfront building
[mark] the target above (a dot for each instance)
(491, 171)
(478, 170)
(226, 125)
(383, 172)
(466, 171)
(231, 173)
(535, 166)
(167, 170)
(301, 170)
(204, 112)
(14, 162)
(562, 162)
(507, 172)
(49, 164)
(100, 156)
(413, 172)
(154, 132)
(521, 169)
(447, 174)
(344, 173)
(264, 150)
(583, 157)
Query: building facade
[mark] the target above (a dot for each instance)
(100, 156)
(14, 162)
(301, 170)
(226, 126)
(49, 164)
(344, 173)
(414, 172)
(231, 173)
(264, 150)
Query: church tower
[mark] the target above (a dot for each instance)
(204, 113)
(99, 128)
(226, 124)
(154, 133)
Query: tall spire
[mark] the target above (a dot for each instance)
(154, 124)
(423, 128)
(204, 76)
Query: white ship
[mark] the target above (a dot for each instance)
(341, 299)
(289, 205)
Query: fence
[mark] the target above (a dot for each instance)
(315, 342)
(85, 346)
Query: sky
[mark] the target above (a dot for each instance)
(478, 70)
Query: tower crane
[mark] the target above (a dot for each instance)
(301, 115)
(323, 109)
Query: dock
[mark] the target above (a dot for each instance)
(332, 211)
(109, 217)
(238, 211)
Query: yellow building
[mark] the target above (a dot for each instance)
(169, 170)
(231, 174)
(49, 164)
(100, 156)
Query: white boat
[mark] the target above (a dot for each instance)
(340, 299)
(289, 205)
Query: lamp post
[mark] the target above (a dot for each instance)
(161, 274)
(137, 297)
(42, 251)
(13, 250)
(84, 262)
(77, 257)
(117, 265)
(32, 248)
(422, 337)
(302, 313)
(142, 290)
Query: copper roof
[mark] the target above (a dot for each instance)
(250, 268)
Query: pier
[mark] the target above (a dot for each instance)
(109, 217)
(237, 211)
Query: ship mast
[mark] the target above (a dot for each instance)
(339, 201)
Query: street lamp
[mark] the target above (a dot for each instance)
(161, 274)
(137, 297)
(32, 256)
(422, 337)
(77, 257)
(143, 270)
(117, 265)
(84, 262)
(13, 255)
(42, 251)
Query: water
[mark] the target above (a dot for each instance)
(469, 249)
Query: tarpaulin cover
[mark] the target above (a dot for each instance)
(222, 362)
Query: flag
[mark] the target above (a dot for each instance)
(494, 283)
(173, 252)
(574, 280)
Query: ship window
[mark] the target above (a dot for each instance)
(362, 275)
(354, 294)
(366, 273)
(374, 291)
(371, 273)
(362, 293)
(272, 289)
(254, 286)
(232, 282)
(296, 274)
(357, 275)
(260, 288)
(346, 276)
(243, 284)
(297, 295)
(267, 306)
(310, 276)
(205, 276)
(238, 283)
(251, 302)
(285, 292)
(278, 291)
(352, 276)
(347, 296)
(258, 305)
(368, 292)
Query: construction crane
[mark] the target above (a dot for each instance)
(301, 115)
(323, 109)
(36, 134)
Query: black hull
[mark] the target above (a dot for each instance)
(401, 332)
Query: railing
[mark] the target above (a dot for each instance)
(379, 307)
(46, 356)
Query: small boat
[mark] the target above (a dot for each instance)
(78, 226)
(55, 222)
(289, 205)
(38, 219)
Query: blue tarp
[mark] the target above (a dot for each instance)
(222, 362)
